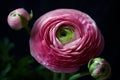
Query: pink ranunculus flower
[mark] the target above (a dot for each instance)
(14, 18)
(64, 39)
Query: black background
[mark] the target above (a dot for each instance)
(104, 12)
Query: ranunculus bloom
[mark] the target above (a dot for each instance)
(15, 18)
(64, 39)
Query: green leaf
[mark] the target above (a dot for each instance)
(6, 45)
(40, 67)
(6, 70)
(25, 61)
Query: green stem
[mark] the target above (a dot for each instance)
(55, 75)
(79, 75)
(27, 29)
(63, 76)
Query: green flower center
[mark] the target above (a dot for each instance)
(65, 34)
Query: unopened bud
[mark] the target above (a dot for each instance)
(18, 18)
(99, 68)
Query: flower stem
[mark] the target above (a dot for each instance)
(27, 29)
(79, 75)
(63, 76)
(55, 75)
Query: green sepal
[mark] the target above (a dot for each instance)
(24, 21)
(31, 15)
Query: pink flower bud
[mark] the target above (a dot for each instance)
(15, 18)
(64, 39)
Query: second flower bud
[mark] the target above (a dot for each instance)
(18, 18)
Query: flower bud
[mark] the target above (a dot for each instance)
(18, 18)
(99, 68)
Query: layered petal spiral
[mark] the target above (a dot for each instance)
(64, 39)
